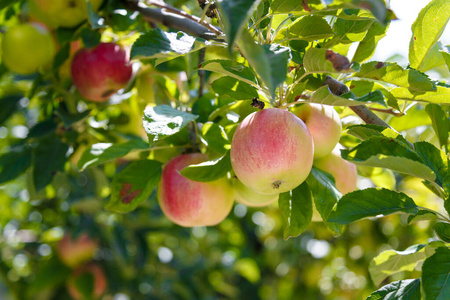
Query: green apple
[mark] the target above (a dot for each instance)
(27, 47)
(61, 13)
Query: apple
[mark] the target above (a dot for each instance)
(145, 85)
(78, 286)
(61, 13)
(76, 251)
(101, 71)
(343, 171)
(27, 47)
(248, 197)
(272, 151)
(190, 203)
(324, 124)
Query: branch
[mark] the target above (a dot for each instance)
(338, 88)
(176, 19)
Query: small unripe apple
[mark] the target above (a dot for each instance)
(145, 85)
(324, 124)
(98, 285)
(272, 151)
(251, 198)
(64, 13)
(190, 203)
(27, 47)
(343, 171)
(101, 71)
(76, 251)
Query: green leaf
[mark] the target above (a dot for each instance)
(392, 73)
(90, 38)
(133, 185)
(234, 88)
(14, 163)
(389, 153)
(42, 128)
(323, 95)
(351, 30)
(434, 58)
(362, 87)
(434, 18)
(269, 61)
(315, 61)
(434, 158)
(100, 153)
(440, 122)
(94, 20)
(408, 289)
(49, 157)
(443, 231)
(325, 195)
(446, 57)
(7, 3)
(371, 202)
(440, 96)
(162, 121)
(234, 15)
(209, 170)
(230, 68)
(436, 275)
(366, 48)
(156, 43)
(368, 131)
(309, 28)
(296, 207)
(9, 105)
(391, 262)
(422, 215)
(215, 137)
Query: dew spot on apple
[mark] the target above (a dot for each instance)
(125, 193)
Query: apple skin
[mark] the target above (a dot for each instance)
(190, 203)
(101, 71)
(100, 282)
(343, 171)
(324, 124)
(74, 252)
(61, 13)
(27, 47)
(272, 151)
(248, 197)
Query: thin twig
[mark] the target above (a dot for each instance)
(201, 73)
(388, 111)
(163, 5)
(175, 21)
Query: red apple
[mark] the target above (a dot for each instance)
(324, 124)
(101, 71)
(272, 151)
(251, 198)
(76, 251)
(190, 203)
(343, 171)
(99, 284)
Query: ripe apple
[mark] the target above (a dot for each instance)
(190, 203)
(272, 151)
(76, 251)
(101, 71)
(64, 13)
(251, 198)
(76, 283)
(343, 171)
(27, 47)
(324, 124)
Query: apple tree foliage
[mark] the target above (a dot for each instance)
(71, 165)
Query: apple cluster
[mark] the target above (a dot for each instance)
(272, 152)
(96, 72)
